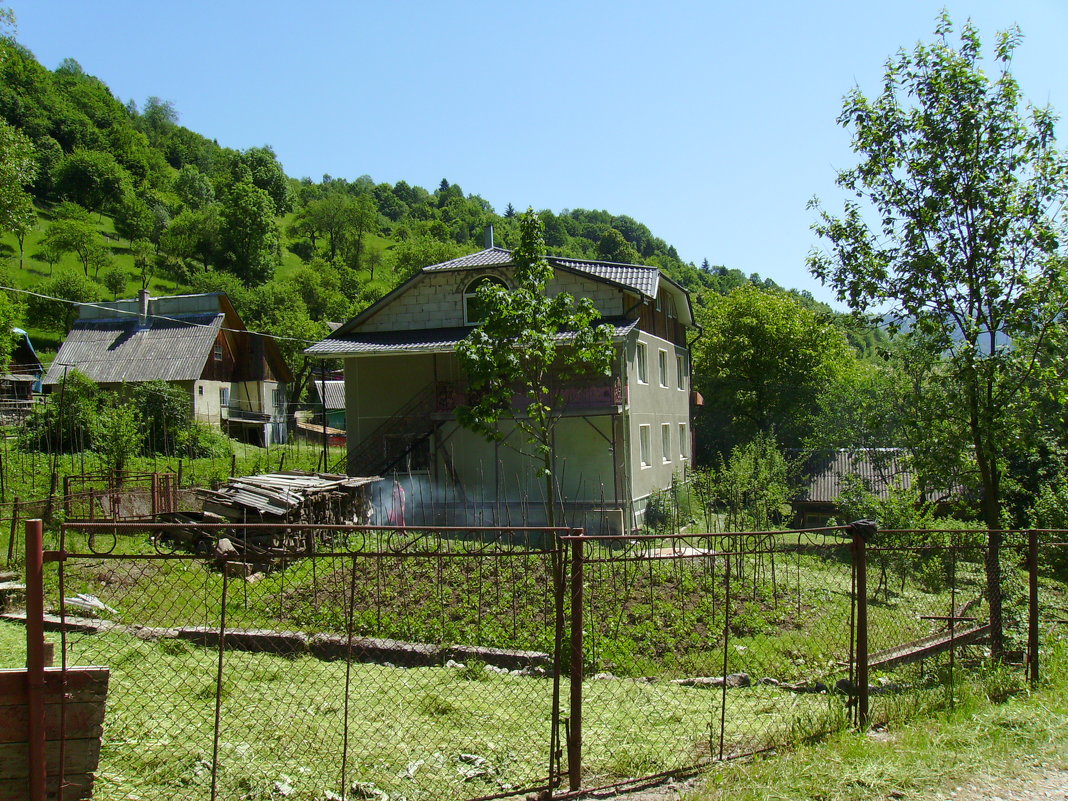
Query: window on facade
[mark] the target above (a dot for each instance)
(643, 369)
(217, 352)
(669, 302)
(278, 398)
(643, 445)
(662, 364)
(665, 441)
(684, 441)
(474, 309)
(224, 397)
(680, 369)
(406, 454)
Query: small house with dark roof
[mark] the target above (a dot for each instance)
(236, 379)
(331, 394)
(621, 438)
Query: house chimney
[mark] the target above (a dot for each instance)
(489, 237)
(142, 308)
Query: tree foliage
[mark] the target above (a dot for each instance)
(91, 178)
(59, 315)
(957, 228)
(762, 364)
(18, 169)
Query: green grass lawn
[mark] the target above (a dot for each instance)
(421, 733)
(926, 758)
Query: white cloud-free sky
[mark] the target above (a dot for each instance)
(713, 123)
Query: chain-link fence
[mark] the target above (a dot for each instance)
(460, 663)
(710, 646)
(359, 662)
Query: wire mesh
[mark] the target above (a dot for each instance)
(408, 663)
(701, 647)
(930, 623)
(433, 663)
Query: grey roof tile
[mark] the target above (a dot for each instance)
(638, 277)
(422, 341)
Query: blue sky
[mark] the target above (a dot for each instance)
(712, 123)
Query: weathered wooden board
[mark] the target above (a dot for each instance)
(76, 787)
(74, 705)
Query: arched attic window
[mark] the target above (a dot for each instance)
(474, 309)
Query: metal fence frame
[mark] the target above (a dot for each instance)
(571, 555)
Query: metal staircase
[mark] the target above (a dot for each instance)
(388, 444)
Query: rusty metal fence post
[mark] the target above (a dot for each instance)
(574, 740)
(35, 657)
(861, 530)
(1032, 607)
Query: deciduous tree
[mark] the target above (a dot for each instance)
(526, 350)
(91, 178)
(17, 171)
(957, 227)
(249, 233)
(762, 363)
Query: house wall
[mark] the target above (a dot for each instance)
(599, 464)
(653, 405)
(436, 300)
(206, 400)
(377, 387)
(493, 482)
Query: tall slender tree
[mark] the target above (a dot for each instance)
(957, 227)
(526, 350)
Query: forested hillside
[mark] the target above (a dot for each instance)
(105, 197)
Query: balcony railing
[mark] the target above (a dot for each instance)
(586, 395)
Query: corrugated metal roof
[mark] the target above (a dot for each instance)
(335, 393)
(425, 341)
(638, 277)
(115, 350)
(879, 470)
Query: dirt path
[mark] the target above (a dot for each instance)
(1039, 785)
(1050, 784)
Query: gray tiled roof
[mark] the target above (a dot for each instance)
(491, 257)
(635, 276)
(424, 341)
(111, 351)
(640, 278)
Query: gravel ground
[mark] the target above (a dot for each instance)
(1040, 785)
(1049, 784)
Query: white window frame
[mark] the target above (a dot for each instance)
(661, 363)
(641, 360)
(665, 441)
(684, 442)
(680, 368)
(644, 456)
